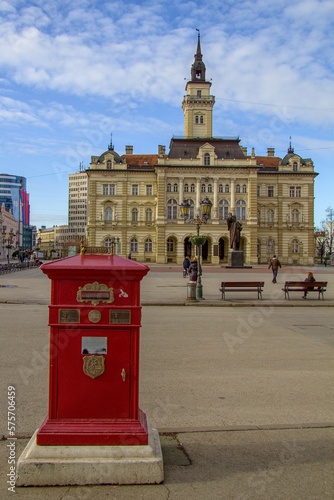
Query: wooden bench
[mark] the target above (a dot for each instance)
(242, 286)
(305, 286)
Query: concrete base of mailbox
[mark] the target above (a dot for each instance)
(79, 465)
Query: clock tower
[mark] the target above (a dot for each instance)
(198, 103)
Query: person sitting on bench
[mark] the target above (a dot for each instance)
(310, 278)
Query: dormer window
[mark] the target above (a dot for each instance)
(206, 159)
(294, 166)
(109, 165)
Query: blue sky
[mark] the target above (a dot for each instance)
(73, 72)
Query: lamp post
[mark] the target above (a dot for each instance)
(197, 240)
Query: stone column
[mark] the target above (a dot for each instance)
(215, 198)
(232, 207)
(181, 189)
(198, 194)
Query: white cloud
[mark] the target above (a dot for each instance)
(74, 71)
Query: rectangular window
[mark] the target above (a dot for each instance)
(112, 189)
(292, 191)
(134, 191)
(298, 191)
(149, 190)
(105, 189)
(259, 190)
(270, 191)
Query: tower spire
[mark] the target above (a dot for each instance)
(198, 102)
(290, 148)
(198, 68)
(110, 146)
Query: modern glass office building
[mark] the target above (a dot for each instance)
(14, 196)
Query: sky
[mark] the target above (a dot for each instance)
(75, 73)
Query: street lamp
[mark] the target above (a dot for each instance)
(197, 240)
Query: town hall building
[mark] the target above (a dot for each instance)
(134, 201)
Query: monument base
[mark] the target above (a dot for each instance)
(236, 258)
(41, 465)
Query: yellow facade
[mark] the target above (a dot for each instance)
(134, 200)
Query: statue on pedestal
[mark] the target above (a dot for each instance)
(235, 228)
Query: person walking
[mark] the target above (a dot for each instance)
(274, 265)
(309, 278)
(186, 265)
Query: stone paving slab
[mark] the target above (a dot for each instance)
(281, 464)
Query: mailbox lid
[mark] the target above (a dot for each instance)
(72, 275)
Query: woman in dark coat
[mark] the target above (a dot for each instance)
(309, 278)
(193, 269)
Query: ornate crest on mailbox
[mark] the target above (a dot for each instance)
(95, 293)
(93, 366)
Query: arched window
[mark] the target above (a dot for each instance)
(206, 159)
(227, 188)
(175, 188)
(108, 213)
(197, 119)
(201, 119)
(148, 245)
(186, 188)
(170, 245)
(244, 188)
(169, 188)
(270, 215)
(109, 165)
(192, 188)
(295, 246)
(148, 215)
(209, 188)
(237, 188)
(241, 210)
(134, 245)
(295, 215)
(223, 209)
(220, 188)
(171, 209)
(134, 215)
(203, 188)
(108, 243)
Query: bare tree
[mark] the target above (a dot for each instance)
(324, 236)
(328, 226)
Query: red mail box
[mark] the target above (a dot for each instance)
(95, 319)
